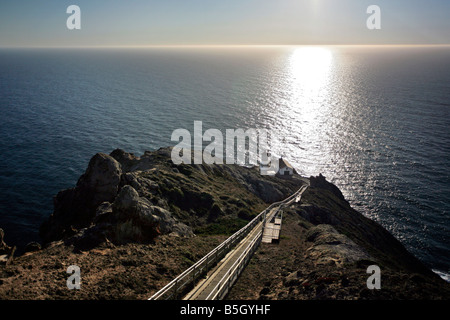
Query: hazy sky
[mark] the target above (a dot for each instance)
(205, 22)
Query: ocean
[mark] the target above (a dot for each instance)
(373, 120)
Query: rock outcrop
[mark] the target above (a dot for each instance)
(122, 197)
(331, 247)
(130, 218)
(74, 208)
(321, 183)
(105, 205)
(136, 218)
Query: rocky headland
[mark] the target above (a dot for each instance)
(134, 223)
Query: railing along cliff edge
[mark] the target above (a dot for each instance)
(176, 287)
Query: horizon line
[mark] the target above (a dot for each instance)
(218, 46)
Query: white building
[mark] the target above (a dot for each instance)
(285, 168)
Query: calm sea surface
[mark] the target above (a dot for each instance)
(374, 120)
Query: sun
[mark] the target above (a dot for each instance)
(310, 67)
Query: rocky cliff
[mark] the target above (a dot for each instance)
(123, 198)
(133, 223)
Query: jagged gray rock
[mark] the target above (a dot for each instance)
(139, 220)
(331, 247)
(75, 208)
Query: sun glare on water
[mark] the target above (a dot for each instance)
(310, 68)
(308, 74)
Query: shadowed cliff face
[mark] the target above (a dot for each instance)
(324, 252)
(324, 205)
(123, 198)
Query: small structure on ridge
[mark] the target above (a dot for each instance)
(285, 168)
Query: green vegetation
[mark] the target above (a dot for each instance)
(223, 226)
(245, 214)
(207, 198)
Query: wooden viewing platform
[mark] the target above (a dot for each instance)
(272, 230)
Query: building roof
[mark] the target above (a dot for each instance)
(282, 163)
